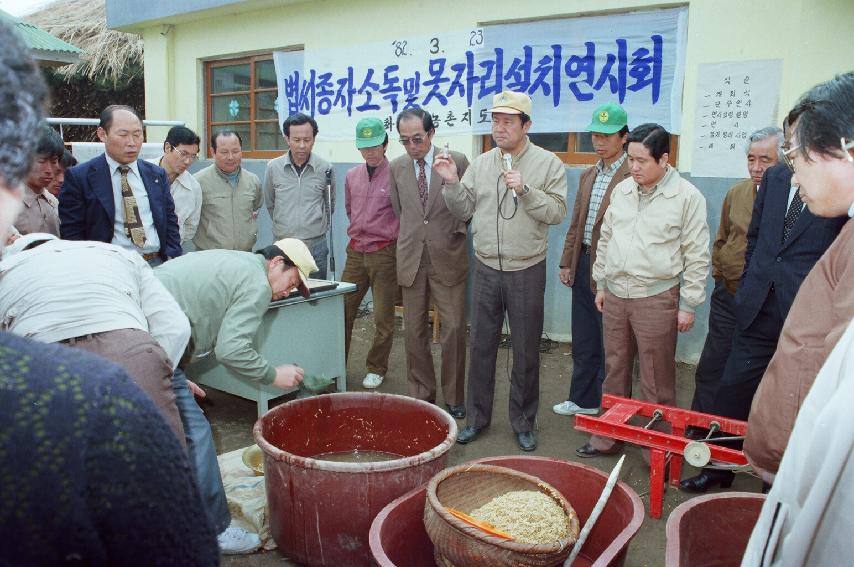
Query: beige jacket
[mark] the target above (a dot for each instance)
(524, 235)
(644, 252)
(227, 220)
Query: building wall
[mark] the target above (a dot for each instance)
(807, 34)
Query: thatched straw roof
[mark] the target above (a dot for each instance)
(108, 54)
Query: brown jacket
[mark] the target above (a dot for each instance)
(822, 310)
(731, 241)
(433, 226)
(575, 234)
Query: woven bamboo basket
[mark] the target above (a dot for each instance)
(467, 487)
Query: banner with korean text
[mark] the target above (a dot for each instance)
(568, 67)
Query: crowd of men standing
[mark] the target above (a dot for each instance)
(636, 256)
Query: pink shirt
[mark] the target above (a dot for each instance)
(373, 224)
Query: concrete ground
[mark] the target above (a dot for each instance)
(232, 419)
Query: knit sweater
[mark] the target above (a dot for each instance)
(90, 473)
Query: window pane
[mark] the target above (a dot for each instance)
(269, 137)
(241, 129)
(552, 141)
(265, 74)
(230, 108)
(265, 106)
(584, 142)
(230, 78)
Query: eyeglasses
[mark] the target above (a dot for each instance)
(416, 141)
(790, 159)
(186, 156)
(846, 146)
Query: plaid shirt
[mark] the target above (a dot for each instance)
(603, 179)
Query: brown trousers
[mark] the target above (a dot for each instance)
(646, 328)
(450, 301)
(145, 361)
(376, 271)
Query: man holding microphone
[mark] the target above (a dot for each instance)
(512, 194)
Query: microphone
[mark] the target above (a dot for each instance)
(508, 165)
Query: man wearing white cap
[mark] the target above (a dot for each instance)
(512, 194)
(225, 294)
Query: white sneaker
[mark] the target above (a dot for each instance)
(372, 381)
(237, 541)
(571, 408)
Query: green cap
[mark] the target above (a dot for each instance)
(608, 119)
(370, 132)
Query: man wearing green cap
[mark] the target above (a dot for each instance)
(373, 246)
(609, 129)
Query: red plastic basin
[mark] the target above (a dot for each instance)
(398, 537)
(321, 511)
(712, 531)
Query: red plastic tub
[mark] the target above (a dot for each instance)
(712, 531)
(321, 511)
(398, 537)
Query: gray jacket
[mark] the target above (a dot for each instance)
(298, 203)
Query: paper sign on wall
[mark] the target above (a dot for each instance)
(734, 99)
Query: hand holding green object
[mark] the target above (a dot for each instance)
(316, 383)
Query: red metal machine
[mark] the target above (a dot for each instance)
(613, 423)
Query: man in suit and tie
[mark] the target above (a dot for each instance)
(119, 199)
(432, 262)
(784, 241)
(609, 131)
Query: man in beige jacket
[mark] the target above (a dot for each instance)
(654, 235)
(231, 197)
(512, 194)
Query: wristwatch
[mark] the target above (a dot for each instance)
(525, 189)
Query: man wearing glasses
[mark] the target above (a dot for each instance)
(231, 197)
(432, 263)
(806, 518)
(784, 241)
(180, 150)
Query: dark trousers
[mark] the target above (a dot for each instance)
(588, 351)
(752, 349)
(520, 294)
(716, 350)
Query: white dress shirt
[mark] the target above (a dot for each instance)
(64, 289)
(152, 240)
(187, 194)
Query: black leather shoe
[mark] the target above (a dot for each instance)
(457, 412)
(468, 434)
(587, 451)
(708, 478)
(527, 440)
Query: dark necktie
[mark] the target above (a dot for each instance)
(792, 214)
(133, 224)
(422, 183)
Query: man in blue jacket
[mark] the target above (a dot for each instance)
(118, 198)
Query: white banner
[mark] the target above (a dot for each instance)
(734, 99)
(567, 66)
